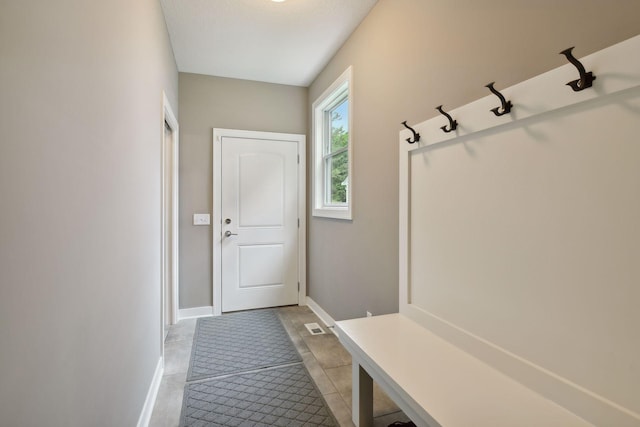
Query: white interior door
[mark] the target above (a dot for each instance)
(259, 223)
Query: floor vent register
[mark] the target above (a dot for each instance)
(314, 329)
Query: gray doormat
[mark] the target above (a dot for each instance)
(239, 342)
(283, 396)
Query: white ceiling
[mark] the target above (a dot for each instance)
(287, 43)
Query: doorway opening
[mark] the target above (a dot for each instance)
(169, 220)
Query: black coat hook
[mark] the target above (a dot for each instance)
(416, 136)
(452, 123)
(506, 105)
(586, 78)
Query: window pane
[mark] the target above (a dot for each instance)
(339, 125)
(336, 172)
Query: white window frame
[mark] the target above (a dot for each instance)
(324, 103)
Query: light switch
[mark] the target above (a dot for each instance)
(201, 219)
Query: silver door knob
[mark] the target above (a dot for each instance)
(229, 234)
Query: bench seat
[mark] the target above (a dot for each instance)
(435, 383)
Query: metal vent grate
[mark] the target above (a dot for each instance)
(314, 329)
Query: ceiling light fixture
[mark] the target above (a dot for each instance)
(277, 1)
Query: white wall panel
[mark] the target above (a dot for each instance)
(525, 236)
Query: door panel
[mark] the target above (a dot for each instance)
(259, 206)
(262, 265)
(261, 190)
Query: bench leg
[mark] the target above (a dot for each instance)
(362, 397)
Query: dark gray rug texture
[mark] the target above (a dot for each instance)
(239, 342)
(282, 396)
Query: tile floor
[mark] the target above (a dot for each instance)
(327, 361)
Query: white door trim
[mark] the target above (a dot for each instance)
(170, 118)
(300, 140)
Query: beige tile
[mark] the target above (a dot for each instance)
(318, 375)
(341, 379)
(176, 357)
(183, 330)
(292, 310)
(297, 340)
(166, 412)
(299, 344)
(339, 409)
(288, 326)
(295, 314)
(327, 350)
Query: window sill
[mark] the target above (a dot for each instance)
(335, 213)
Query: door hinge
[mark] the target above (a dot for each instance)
(298, 222)
(298, 158)
(298, 286)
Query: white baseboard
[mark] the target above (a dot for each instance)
(150, 401)
(192, 313)
(323, 315)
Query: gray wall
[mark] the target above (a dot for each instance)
(81, 118)
(208, 102)
(408, 57)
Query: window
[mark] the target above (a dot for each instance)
(332, 117)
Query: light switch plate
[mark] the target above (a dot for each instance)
(201, 219)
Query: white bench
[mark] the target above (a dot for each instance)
(435, 383)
